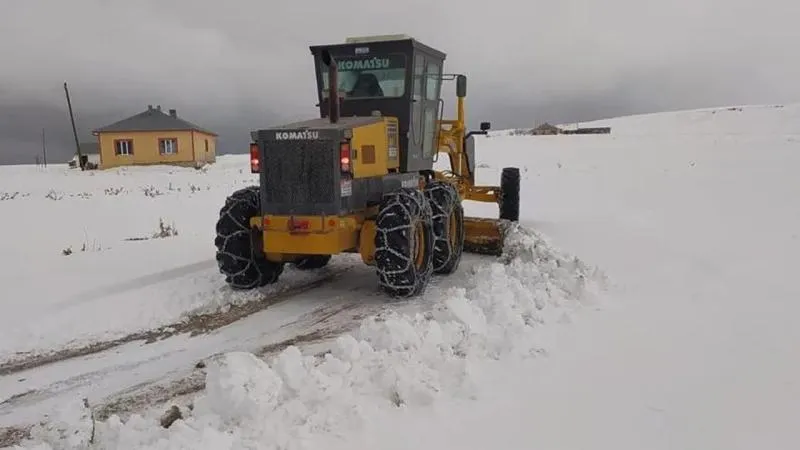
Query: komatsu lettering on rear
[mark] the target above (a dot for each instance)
(296, 135)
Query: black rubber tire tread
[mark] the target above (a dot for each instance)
(312, 262)
(238, 255)
(399, 213)
(444, 200)
(509, 194)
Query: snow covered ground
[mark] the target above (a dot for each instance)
(693, 216)
(119, 310)
(52, 300)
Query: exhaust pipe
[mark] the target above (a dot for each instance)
(333, 86)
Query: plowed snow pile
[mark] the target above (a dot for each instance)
(403, 359)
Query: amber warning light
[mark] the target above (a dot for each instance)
(255, 163)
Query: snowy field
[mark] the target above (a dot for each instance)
(693, 216)
(86, 259)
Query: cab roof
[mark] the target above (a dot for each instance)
(351, 42)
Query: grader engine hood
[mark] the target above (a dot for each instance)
(300, 169)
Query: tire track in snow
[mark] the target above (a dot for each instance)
(128, 386)
(196, 324)
(159, 393)
(320, 325)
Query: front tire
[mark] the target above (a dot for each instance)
(448, 226)
(239, 255)
(509, 194)
(404, 243)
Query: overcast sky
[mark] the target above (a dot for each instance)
(243, 64)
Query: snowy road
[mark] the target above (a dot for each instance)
(131, 375)
(126, 316)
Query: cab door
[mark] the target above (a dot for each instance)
(430, 109)
(425, 107)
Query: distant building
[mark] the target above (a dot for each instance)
(155, 137)
(546, 129)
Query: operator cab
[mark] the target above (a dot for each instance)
(395, 75)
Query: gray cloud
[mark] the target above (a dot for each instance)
(245, 64)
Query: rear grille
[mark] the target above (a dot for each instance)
(299, 174)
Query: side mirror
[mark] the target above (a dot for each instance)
(461, 86)
(485, 126)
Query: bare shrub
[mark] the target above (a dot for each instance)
(151, 191)
(54, 195)
(165, 230)
(113, 191)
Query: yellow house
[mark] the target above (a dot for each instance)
(155, 137)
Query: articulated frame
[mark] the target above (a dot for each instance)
(452, 134)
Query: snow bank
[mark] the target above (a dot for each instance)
(394, 360)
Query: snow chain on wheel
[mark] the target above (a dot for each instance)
(509, 194)
(448, 226)
(404, 243)
(312, 262)
(238, 254)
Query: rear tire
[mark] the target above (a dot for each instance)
(404, 243)
(448, 226)
(312, 262)
(239, 255)
(509, 194)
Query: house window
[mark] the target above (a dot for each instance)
(123, 147)
(168, 146)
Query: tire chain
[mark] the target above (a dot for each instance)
(395, 241)
(443, 198)
(237, 258)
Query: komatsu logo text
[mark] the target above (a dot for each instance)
(296, 135)
(362, 64)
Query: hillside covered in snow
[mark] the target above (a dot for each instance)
(649, 303)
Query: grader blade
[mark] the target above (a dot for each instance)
(484, 236)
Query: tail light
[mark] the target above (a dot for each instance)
(255, 161)
(344, 157)
(299, 225)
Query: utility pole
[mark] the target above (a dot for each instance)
(74, 130)
(44, 148)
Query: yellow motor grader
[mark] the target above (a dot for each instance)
(360, 178)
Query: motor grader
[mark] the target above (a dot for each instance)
(361, 179)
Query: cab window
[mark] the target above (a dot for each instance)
(368, 76)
